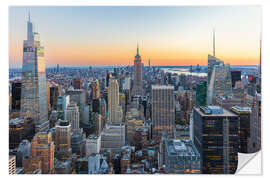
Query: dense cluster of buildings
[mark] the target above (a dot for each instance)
(130, 120)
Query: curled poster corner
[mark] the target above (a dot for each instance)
(249, 164)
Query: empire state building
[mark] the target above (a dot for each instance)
(137, 79)
(34, 101)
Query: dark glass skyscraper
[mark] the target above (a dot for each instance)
(201, 91)
(244, 135)
(34, 101)
(216, 139)
(16, 95)
(236, 76)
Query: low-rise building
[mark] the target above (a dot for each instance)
(181, 157)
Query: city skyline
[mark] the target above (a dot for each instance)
(166, 35)
(129, 119)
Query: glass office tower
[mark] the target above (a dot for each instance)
(34, 92)
(216, 138)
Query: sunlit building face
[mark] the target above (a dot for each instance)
(34, 92)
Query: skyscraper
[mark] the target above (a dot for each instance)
(95, 90)
(163, 110)
(201, 91)
(77, 83)
(23, 152)
(212, 60)
(48, 95)
(62, 140)
(114, 109)
(16, 95)
(137, 79)
(78, 96)
(62, 104)
(216, 139)
(34, 102)
(245, 128)
(92, 145)
(236, 76)
(108, 77)
(55, 91)
(42, 154)
(220, 83)
(73, 117)
(57, 68)
(126, 89)
(255, 125)
(219, 78)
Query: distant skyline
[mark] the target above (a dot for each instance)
(168, 35)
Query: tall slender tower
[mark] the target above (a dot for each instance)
(214, 43)
(115, 110)
(219, 77)
(95, 89)
(34, 101)
(137, 86)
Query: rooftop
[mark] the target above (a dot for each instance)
(182, 148)
(213, 111)
(241, 109)
(162, 87)
(16, 121)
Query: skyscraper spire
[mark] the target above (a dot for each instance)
(137, 50)
(29, 28)
(29, 16)
(214, 51)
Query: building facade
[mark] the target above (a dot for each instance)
(137, 76)
(42, 154)
(216, 138)
(92, 145)
(63, 140)
(73, 117)
(113, 137)
(16, 96)
(34, 100)
(181, 157)
(163, 110)
(114, 108)
(244, 131)
(201, 93)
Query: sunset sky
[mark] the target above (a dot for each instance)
(176, 35)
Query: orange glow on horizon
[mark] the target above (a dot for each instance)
(117, 55)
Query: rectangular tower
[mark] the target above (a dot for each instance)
(115, 110)
(245, 128)
(163, 110)
(216, 139)
(16, 95)
(42, 154)
(201, 91)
